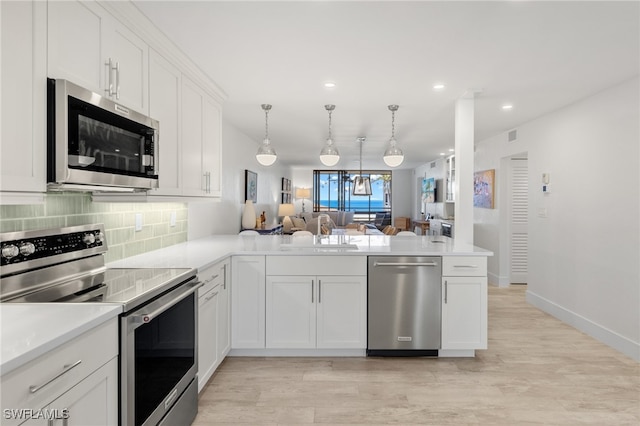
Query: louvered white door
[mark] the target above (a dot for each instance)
(519, 211)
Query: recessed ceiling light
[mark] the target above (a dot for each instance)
(438, 86)
(451, 149)
(507, 107)
(329, 85)
(442, 153)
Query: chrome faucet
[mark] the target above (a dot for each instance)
(320, 217)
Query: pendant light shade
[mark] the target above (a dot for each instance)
(361, 184)
(393, 156)
(329, 156)
(266, 155)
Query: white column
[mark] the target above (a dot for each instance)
(464, 142)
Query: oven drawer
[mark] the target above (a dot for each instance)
(93, 349)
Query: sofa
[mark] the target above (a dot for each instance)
(337, 219)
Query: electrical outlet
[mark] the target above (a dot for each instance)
(172, 219)
(542, 212)
(138, 226)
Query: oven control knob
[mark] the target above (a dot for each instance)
(88, 239)
(10, 251)
(99, 237)
(27, 249)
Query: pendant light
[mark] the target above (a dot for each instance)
(393, 156)
(329, 156)
(266, 155)
(361, 185)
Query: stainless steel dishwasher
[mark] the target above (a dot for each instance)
(404, 294)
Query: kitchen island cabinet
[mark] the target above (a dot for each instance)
(464, 305)
(248, 302)
(323, 309)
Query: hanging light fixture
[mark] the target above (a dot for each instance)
(393, 156)
(329, 156)
(361, 185)
(266, 155)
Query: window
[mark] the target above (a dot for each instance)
(332, 190)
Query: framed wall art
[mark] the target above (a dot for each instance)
(251, 186)
(483, 188)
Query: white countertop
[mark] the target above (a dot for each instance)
(204, 252)
(29, 330)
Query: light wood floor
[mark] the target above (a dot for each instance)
(537, 370)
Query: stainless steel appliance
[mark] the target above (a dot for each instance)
(94, 143)
(158, 326)
(447, 229)
(404, 305)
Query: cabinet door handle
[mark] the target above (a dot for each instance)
(319, 291)
(65, 369)
(212, 278)
(466, 266)
(312, 283)
(208, 182)
(211, 296)
(224, 276)
(109, 89)
(445, 291)
(117, 80)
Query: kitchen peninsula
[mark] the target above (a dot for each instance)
(262, 265)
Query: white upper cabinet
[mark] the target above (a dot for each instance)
(164, 105)
(23, 87)
(129, 57)
(90, 48)
(201, 142)
(75, 43)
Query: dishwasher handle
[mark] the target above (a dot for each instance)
(376, 263)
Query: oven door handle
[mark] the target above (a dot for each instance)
(152, 310)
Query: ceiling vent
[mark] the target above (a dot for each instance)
(512, 135)
(433, 164)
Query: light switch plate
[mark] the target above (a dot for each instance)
(172, 219)
(542, 212)
(138, 226)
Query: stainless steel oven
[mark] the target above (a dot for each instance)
(94, 143)
(158, 325)
(159, 360)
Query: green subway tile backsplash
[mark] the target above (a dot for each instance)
(70, 209)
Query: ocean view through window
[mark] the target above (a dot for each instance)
(333, 190)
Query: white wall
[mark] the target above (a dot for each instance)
(223, 216)
(584, 257)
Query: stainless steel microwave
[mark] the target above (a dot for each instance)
(94, 143)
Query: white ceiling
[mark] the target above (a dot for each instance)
(539, 56)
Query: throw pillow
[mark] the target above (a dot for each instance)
(298, 222)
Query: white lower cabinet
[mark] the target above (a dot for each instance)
(464, 303)
(213, 320)
(247, 302)
(304, 312)
(93, 401)
(78, 380)
(308, 309)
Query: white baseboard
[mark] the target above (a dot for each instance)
(598, 332)
(502, 281)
